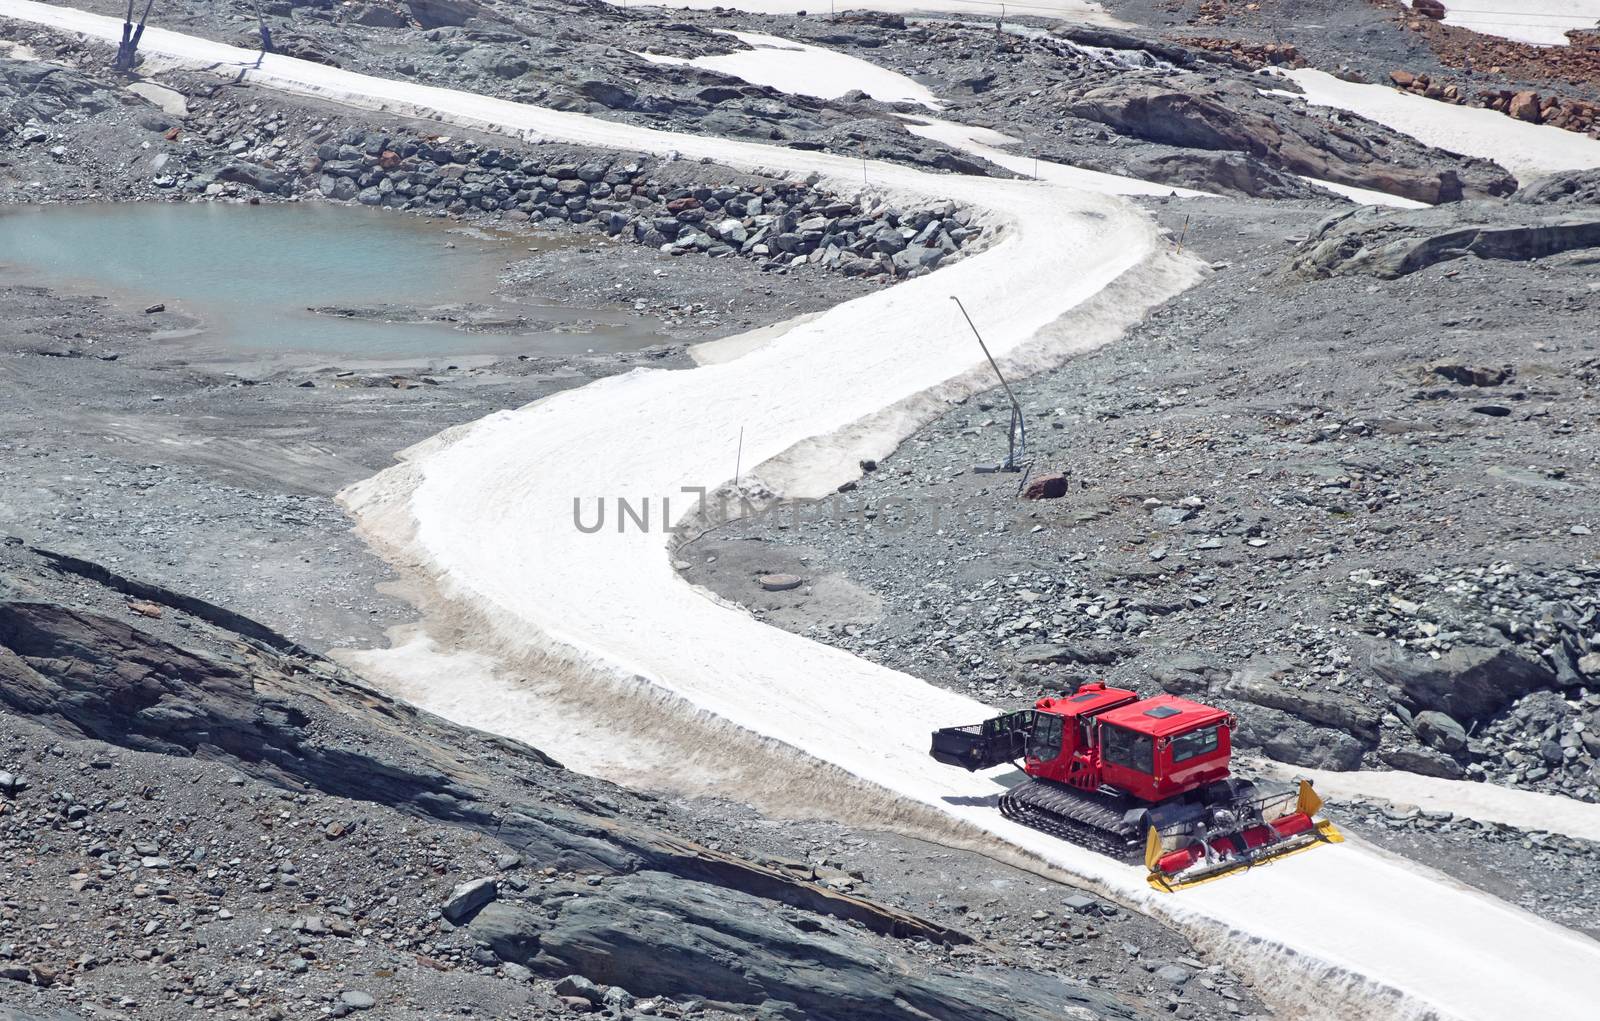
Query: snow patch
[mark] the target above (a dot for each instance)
(1485, 802)
(1529, 151)
(1366, 196)
(801, 69)
(1543, 22)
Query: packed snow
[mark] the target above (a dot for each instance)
(551, 611)
(1485, 802)
(1366, 196)
(1529, 151)
(1544, 22)
(805, 70)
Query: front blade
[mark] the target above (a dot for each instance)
(1323, 832)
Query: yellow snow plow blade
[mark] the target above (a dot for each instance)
(1203, 871)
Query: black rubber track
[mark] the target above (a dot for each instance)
(1070, 814)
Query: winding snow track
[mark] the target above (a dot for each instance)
(487, 512)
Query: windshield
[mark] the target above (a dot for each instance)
(1194, 743)
(1125, 748)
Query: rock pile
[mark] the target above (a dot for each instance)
(1559, 112)
(1253, 54)
(780, 223)
(1578, 62)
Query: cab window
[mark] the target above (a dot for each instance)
(1046, 743)
(1194, 743)
(1123, 747)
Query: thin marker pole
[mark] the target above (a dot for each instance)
(738, 458)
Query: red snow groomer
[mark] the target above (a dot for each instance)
(1132, 777)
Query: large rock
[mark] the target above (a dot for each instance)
(510, 930)
(1425, 761)
(1234, 116)
(1524, 106)
(1287, 739)
(1224, 173)
(466, 898)
(378, 16)
(443, 13)
(1189, 674)
(655, 935)
(1357, 719)
(1568, 188)
(1092, 652)
(250, 175)
(34, 90)
(1391, 243)
(1469, 683)
(1441, 731)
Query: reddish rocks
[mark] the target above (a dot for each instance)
(1429, 9)
(1524, 106)
(1253, 54)
(1558, 112)
(1046, 487)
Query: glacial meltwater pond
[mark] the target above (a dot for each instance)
(253, 274)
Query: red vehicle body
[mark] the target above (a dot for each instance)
(1152, 749)
(1122, 774)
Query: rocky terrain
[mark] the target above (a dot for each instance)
(1223, 527)
(1344, 488)
(1123, 103)
(203, 816)
(222, 147)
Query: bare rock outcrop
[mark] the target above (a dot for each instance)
(1389, 243)
(1232, 116)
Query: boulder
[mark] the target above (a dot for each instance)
(1429, 9)
(1441, 731)
(1390, 243)
(1233, 116)
(1568, 188)
(378, 16)
(1189, 674)
(1474, 375)
(1046, 487)
(1225, 173)
(608, 94)
(1355, 718)
(1287, 739)
(443, 13)
(509, 930)
(250, 175)
(1468, 683)
(1425, 761)
(656, 935)
(1525, 107)
(1091, 652)
(465, 900)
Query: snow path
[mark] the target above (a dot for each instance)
(1529, 151)
(1544, 22)
(804, 70)
(1485, 802)
(487, 510)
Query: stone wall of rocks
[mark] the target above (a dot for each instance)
(783, 223)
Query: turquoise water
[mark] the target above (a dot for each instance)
(252, 272)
